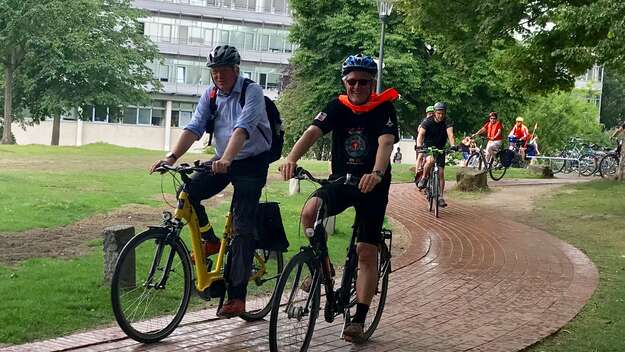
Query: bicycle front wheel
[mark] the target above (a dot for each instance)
(476, 161)
(266, 270)
(151, 285)
(436, 192)
(295, 305)
(587, 164)
(496, 170)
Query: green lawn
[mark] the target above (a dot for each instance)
(591, 217)
(53, 186)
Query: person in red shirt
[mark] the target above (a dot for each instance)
(494, 133)
(519, 132)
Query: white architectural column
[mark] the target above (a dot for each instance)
(167, 145)
(79, 128)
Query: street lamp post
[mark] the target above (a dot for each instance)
(384, 10)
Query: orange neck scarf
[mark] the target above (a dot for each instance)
(374, 101)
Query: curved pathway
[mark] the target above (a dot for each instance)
(466, 282)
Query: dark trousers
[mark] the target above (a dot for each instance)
(248, 177)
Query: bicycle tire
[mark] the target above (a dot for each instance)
(557, 165)
(476, 161)
(293, 280)
(430, 195)
(588, 164)
(141, 328)
(608, 165)
(436, 190)
(495, 169)
(266, 284)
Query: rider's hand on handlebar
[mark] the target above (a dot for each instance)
(368, 182)
(288, 169)
(454, 148)
(221, 166)
(159, 163)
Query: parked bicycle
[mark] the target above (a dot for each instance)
(609, 164)
(296, 302)
(152, 282)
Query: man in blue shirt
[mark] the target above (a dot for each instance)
(242, 139)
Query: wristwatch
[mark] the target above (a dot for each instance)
(378, 173)
(171, 155)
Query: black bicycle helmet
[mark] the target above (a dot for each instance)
(225, 55)
(440, 106)
(359, 63)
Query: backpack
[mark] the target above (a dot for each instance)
(277, 131)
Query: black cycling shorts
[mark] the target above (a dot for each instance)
(440, 158)
(370, 207)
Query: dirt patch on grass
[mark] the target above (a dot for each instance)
(77, 239)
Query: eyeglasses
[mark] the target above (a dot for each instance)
(362, 82)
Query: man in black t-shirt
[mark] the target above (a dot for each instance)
(364, 129)
(434, 133)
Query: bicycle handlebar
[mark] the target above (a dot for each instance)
(186, 169)
(303, 174)
(433, 150)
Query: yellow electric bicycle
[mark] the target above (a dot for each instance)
(153, 278)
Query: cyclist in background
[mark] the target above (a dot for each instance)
(436, 132)
(493, 129)
(364, 129)
(429, 114)
(518, 133)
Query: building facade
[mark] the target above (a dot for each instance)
(185, 31)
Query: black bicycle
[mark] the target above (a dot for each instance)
(296, 302)
(609, 164)
(496, 166)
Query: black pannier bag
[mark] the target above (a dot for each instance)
(506, 156)
(270, 233)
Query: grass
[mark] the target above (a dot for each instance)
(53, 186)
(591, 217)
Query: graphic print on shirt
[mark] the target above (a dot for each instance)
(356, 146)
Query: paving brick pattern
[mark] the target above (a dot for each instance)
(467, 282)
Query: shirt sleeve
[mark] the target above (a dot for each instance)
(326, 119)
(449, 123)
(253, 110)
(197, 125)
(390, 123)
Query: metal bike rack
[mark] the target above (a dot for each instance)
(550, 158)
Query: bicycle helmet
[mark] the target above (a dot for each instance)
(440, 106)
(225, 55)
(359, 63)
(519, 119)
(429, 109)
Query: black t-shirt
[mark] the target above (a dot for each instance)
(623, 126)
(355, 137)
(436, 132)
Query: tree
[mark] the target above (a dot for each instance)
(545, 42)
(613, 98)
(72, 53)
(559, 116)
(327, 31)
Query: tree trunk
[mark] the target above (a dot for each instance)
(620, 173)
(56, 129)
(8, 100)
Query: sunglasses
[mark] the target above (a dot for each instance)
(493, 118)
(362, 82)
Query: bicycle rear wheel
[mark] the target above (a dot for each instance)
(151, 285)
(263, 286)
(379, 298)
(496, 170)
(476, 161)
(295, 305)
(558, 165)
(587, 164)
(608, 165)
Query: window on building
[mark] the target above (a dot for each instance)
(165, 35)
(116, 114)
(249, 41)
(195, 35)
(273, 79)
(262, 80)
(100, 114)
(208, 36)
(276, 43)
(247, 74)
(185, 118)
(264, 42)
(224, 37)
(145, 116)
(279, 6)
(183, 34)
(193, 74)
(205, 79)
(237, 39)
(130, 116)
(198, 2)
(158, 117)
(181, 73)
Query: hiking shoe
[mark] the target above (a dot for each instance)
(232, 308)
(422, 183)
(210, 248)
(354, 332)
(442, 203)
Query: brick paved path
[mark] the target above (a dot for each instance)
(467, 282)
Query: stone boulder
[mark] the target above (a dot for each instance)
(471, 180)
(541, 170)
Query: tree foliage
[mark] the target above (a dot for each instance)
(60, 54)
(545, 43)
(613, 98)
(328, 31)
(559, 116)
